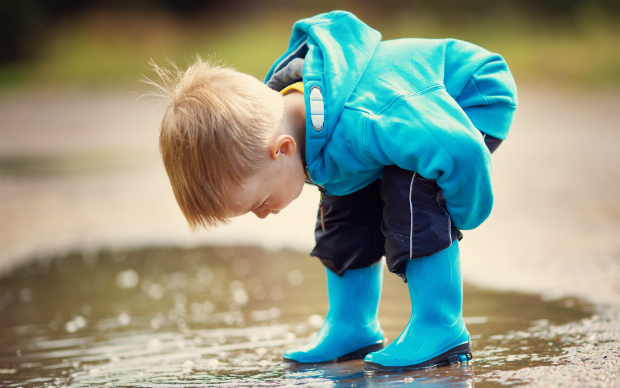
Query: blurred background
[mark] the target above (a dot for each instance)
(107, 43)
(83, 193)
(80, 168)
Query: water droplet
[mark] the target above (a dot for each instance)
(276, 293)
(155, 324)
(240, 297)
(259, 293)
(86, 309)
(211, 363)
(119, 255)
(90, 258)
(241, 267)
(216, 289)
(179, 280)
(180, 299)
(229, 319)
(196, 308)
(235, 285)
(295, 277)
(156, 291)
(71, 327)
(154, 344)
(569, 303)
(187, 366)
(80, 322)
(180, 309)
(127, 279)
(208, 306)
(124, 319)
(315, 320)
(25, 295)
(205, 276)
(94, 371)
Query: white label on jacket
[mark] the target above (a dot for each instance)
(316, 108)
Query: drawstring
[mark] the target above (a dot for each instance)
(322, 211)
(309, 181)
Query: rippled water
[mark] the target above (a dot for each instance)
(214, 316)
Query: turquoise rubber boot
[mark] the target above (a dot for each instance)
(351, 328)
(436, 333)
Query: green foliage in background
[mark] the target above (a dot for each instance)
(103, 49)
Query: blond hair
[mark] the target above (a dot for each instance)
(216, 130)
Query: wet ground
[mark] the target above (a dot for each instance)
(224, 316)
(80, 172)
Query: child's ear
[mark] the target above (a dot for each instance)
(283, 145)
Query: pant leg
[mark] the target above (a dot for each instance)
(491, 142)
(352, 237)
(416, 222)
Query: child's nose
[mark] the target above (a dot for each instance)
(261, 213)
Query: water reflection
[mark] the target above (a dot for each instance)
(350, 374)
(224, 316)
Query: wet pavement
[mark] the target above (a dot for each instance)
(217, 316)
(79, 172)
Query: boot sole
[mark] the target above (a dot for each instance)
(452, 356)
(360, 353)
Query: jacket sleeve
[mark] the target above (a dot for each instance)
(482, 85)
(429, 133)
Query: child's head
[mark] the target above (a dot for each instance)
(216, 133)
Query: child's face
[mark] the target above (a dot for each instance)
(274, 187)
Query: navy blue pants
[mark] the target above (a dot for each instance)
(375, 221)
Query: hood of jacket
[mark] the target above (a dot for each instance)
(337, 48)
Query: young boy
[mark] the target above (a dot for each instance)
(397, 136)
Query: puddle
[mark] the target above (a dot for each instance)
(212, 316)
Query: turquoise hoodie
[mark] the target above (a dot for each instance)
(420, 104)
